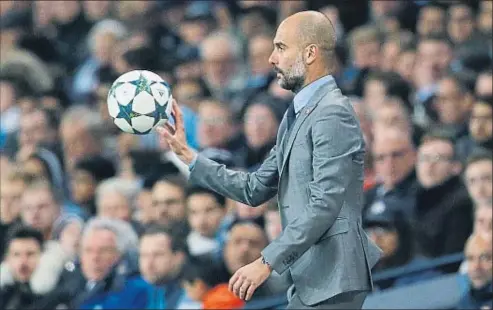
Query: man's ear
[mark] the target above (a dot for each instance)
(311, 53)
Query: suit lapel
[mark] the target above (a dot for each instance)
(281, 133)
(303, 114)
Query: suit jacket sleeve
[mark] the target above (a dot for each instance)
(335, 137)
(249, 188)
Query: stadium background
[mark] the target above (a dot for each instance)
(419, 74)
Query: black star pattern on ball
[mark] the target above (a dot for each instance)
(159, 112)
(113, 89)
(142, 84)
(127, 113)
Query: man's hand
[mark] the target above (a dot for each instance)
(175, 137)
(248, 278)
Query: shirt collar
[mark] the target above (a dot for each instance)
(302, 98)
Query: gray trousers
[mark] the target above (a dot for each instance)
(349, 300)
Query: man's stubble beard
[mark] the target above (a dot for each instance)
(293, 79)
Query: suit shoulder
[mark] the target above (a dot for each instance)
(335, 103)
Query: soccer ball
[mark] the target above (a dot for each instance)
(138, 101)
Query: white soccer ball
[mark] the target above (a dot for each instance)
(138, 101)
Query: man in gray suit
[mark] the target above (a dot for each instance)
(316, 168)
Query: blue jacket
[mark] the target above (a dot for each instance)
(166, 296)
(477, 298)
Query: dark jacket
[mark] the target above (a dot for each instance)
(444, 218)
(477, 298)
(18, 296)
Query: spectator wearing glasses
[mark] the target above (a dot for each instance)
(444, 211)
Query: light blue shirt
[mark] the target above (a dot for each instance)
(306, 93)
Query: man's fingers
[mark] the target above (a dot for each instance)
(237, 286)
(250, 291)
(244, 289)
(178, 116)
(232, 281)
(169, 127)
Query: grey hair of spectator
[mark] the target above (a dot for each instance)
(89, 118)
(126, 238)
(110, 26)
(126, 188)
(221, 39)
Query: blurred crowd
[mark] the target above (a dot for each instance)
(92, 217)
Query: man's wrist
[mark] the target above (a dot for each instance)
(264, 262)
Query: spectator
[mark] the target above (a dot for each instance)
(478, 177)
(201, 284)
(431, 20)
(478, 253)
(273, 224)
(394, 157)
(143, 202)
(162, 259)
(444, 211)
(168, 201)
(461, 23)
(483, 222)
(480, 128)
(206, 211)
(484, 84)
(68, 231)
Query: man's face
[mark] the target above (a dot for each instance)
(260, 125)
(258, 55)
(157, 260)
(168, 203)
(435, 163)
(114, 205)
(34, 129)
(483, 222)
(204, 214)
(391, 115)
(434, 57)
(451, 104)
(23, 258)
(479, 263)
(431, 20)
(99, 254)
(479, 181)
(484, 85)
(481, 122)
(461, 23)
(39, 209)
(245, 243)
(287, 59)
(273, 226)
(367, 55)
(77, 143)
(83, 186)
(405, 65)
(374, 94)
(389, 56)
(394, 159)
(10, 200)
(219, 65)
(214, 126)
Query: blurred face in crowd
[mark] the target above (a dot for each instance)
(96, 10)
(34, 129)
(10, 199)
(478, 178)
(479, 261)
(23, 258)
(189, 93)
(483, 222)
(34, 167)
(484, 84)
(251, 24)
(99, 253)
(157, 259)
(67, 11)
(405, 65)
(485, 16)
(389, 56)
(77, 142)
(114, 205)
(168, 202)
(204, 214)
(452, 105)
(273, 226)
(461, 23)
(384, 237)
(391, 114)
(364, 118)
(374, 93)
(394, 156)
(39, 209)
(244, 211)
(104, 44)
(260, 125)
(215, 126)
(481, 122)
(432, 60)
(244, 245)
(7, 96)
(366, 54)
(83, 186)
(143, 203)
(436, 163)
(259, 51)
(218, 62)
(194, 31)
(431, 20)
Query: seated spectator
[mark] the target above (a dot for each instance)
(88, 173)
(483, 222)
(484, 84)
(115, 199)
(202, 285)
(67, 231)
(480, 128)
(12, 186)
(206, 211)
(98, 280)
(478, 176)
(479, 255)
(392, 233)
(168, 200)
(162, 257)
(272, 218)
(443, 218)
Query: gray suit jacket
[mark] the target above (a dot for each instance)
(318, 176)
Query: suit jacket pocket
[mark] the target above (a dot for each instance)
(340, 226)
